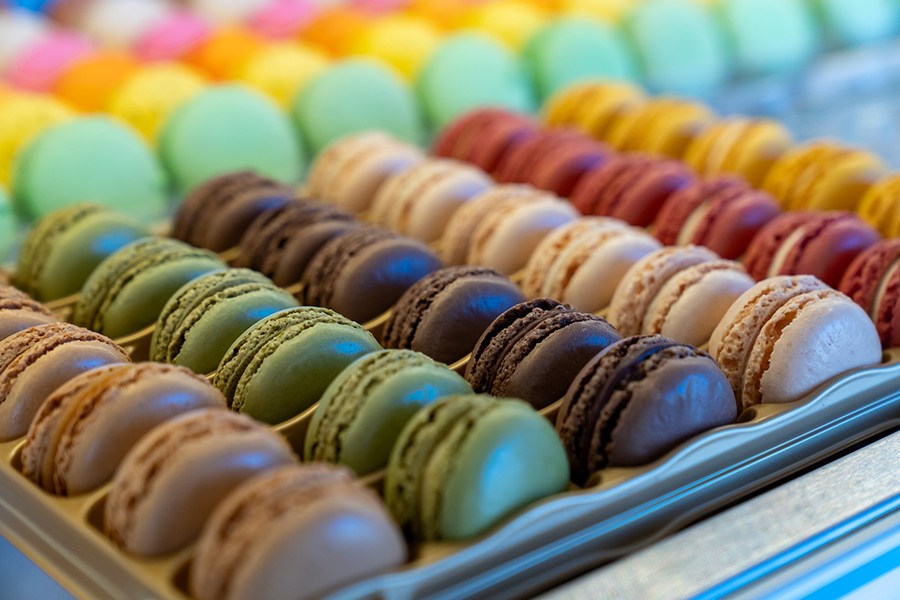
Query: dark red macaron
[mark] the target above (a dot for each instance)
(463, 135)
(560, 169)
(630, 187)
(519, 163)
(487, 147)
(721, 213)
(873, 282)
(809, 243)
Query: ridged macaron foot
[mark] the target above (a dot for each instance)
(637, 400)
(534, 350)
(363, 272)
(87, 425)
(786, 335)
(64, 247)
(880, 206)
(664, 126)
(128, 290)
(483, 136)
(281, 366)
(445, 313)
(37, 360)
(172, 479)
(437, 485)
(283, 535)
(204, 317)
(18, 311)
(215, 214)
(873, 282)
(520, 161)
(364, 409)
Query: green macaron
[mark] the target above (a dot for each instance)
(89, 159)
(281, 365)
(63, 248)
(229, 128)
(464, 463)
(356, 95)
(366, 406)
(202, 319)
(9, 226)
(128, 290)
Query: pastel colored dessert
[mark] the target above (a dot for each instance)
(351, 96)
(483, 136)
(223, 52)
(722, 213)
(172, 37)
(364, 271)
(281, 70)
(37, 67)
(468, 70)
(23, 118)
(19, 311)
(880, 206)
(276, 537)
(129, 289)
(630, 187)
(680, 293)
(281, 19)
(116, 169)
(679, 45)
(787, 335)
(665, 126)
(612, 412)
(739, 146)
(582, 263)
(202, 139)
(421, 200)
(37, 360)
(217, 212)
(19, 29)
(592, 106)
(570, 49)
(334, 28)
(873, 282)
(402, 41)
(858, 23)
(9, 226)
(437, 485)
(351, 170)
(513, 22)
(444, 314)
(502, 227)
(282, 365)
(364, 409)
(113, 23)
(534, 350)
(823, 176)
(807, 243)
(89, 82)
(202, 319)
(87, 425)
(64, 247)
(170, 481)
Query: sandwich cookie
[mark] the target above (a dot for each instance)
(19, 311)
(873, 282)
(880, 206)
(483, 136)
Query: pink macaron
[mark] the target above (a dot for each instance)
(281, 19)
(37, 67)
(172, 38)
(873, 282)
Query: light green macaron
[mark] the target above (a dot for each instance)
(64, 247)
(9, 226)
(229, 128)
(858, 22)
(282, 365)
(202, 319)
(366, 406)
(464, 463)
(89, 159)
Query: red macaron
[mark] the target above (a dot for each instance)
(873, 282)
(483, 136)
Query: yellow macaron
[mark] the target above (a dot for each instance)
(608, 11)
(280, 70)
(511, 21)
(22, 118)
(403, 41)
(663, 126)
(604, 105)
(880, 207)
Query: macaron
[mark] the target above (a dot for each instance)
(172, 37)
(350, 171)
(721, 213)
(534, 350)
(787, 335)
(679, 292)
(170, 481)
(355, 95)
(281, 70)
(222, 53)
(513, 22)
(880, 206)
(64, 247)
(591, 105)
(468, 70)
(582, 263)
(128, 290)
(630, 187)
(421, 200)
(113, 23)
(19, 311)
(364, 409)
(613, 412)
(19, 29)
(664, 126)
(502, 227)
(89, 82)
(807, 243)
(9, 226)
(873, 281)
(205, 316)
(283, 534)
(335, 28)
(444, 481)
(484, 136)
(444, 314)
(87, 425)
(280, 19)
(37, 360)
(38, 66)
(216, 213)
(116, 169)
(202, 138)
(282, 365)
(857, 23)
(402, 41)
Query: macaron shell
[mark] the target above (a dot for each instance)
(13, 321)
(730, 227)
(356, 190)
(23, 118)
(299, 251)
(427, 218)
(757, 150)
(842, 186)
